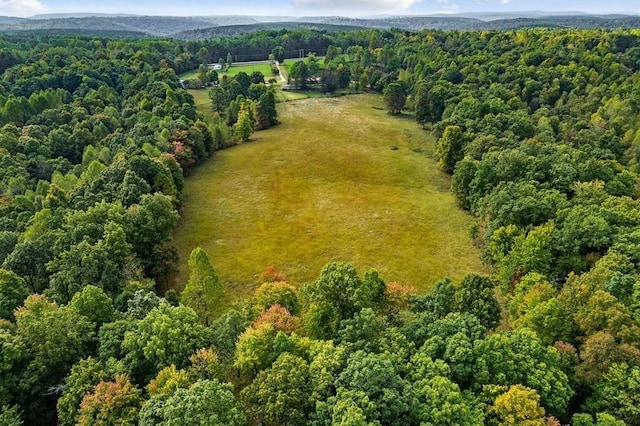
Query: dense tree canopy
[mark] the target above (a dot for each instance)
(538, 128)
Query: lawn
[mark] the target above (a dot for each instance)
(264, 68)
(189, 75)
(325, 185)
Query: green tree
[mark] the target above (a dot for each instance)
(256, 348)
(280, 395)
(10, 416)
(332, 53)
(29, 259)
(244, 127)
(167, 335)
(603, 312)
(362, 332)
(442, 403)
(518, 357)
(149, 227)
(550, 320)
(340, 290)
(265, 111)
(85, 264)
(394, 97)
(256, 90)
(205, 365)
(11, 362)
(203, 75)
(93, 303)
(219, 98)
(133, 188)
(329, 80)
(421, 95)
(531, 253)
(374, 384)
(430, 101)
(203, 292)
(475, 296)
(141, 303)
(618, 393)
(347, 412)
(278, 53)
(439, 300)
(453, 339)
(206, 402)
(300, 73)
(450, 148)
(226, 331)
(13, 291)
(602, 419)
(42, 325)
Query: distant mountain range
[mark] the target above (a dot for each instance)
(201, 27)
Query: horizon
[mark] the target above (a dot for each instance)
(302, 8)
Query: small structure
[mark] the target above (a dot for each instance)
(215, 67)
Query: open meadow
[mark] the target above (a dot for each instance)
(325, 185)
(235, 69)
(262, 67)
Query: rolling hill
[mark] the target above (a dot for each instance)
(203, 27)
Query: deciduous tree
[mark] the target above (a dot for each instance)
(203, 292)
(13, 292)
(449, 148)
(280, 395)
(110, 403)
(394, 97)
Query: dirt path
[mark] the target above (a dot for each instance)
(282, 78)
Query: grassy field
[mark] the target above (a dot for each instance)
(326, 185)
(201, 98)
(295, 95)
(264, 68)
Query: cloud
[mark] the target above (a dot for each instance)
(21, 7)
(493, 1)
(361, 6)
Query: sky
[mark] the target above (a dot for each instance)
(361, 8)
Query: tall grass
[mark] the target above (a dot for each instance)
(326, 185)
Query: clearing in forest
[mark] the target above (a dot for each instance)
(337, 180)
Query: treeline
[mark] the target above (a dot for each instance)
(540, 130)
(208, 27)
(95, 138)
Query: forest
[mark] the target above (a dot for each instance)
(538, 128)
